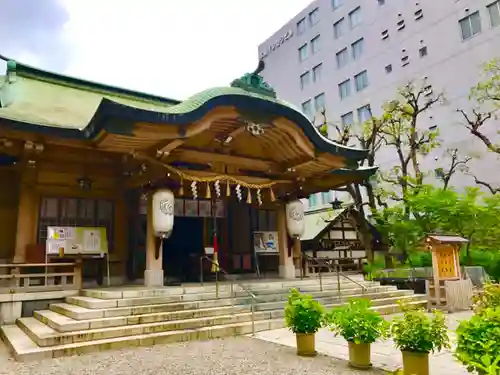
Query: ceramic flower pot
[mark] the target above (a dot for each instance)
(415, 363)
(306, 344)
(359, 355)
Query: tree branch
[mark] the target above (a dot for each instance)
(487, 185)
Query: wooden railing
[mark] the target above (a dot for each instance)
(40, 277)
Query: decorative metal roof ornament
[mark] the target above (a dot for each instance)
(254, 82)
(255, 129)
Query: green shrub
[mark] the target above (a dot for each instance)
(303, 314)
(416, 331)
(478, 342)
(357, 323)
(489, 298)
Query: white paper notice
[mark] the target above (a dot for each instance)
(53, 246)
(91, 241)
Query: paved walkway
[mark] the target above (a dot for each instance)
(384, 355)
(231, 356)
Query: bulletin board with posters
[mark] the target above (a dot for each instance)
(77, 241)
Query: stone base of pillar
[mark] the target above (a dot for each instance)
(10, 312)
(287, 271)
(153, 277)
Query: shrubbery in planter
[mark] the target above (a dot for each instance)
(417, 334)
(360, 326)
(304, 316)
(478, 342)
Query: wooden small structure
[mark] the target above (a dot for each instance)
(448, 289)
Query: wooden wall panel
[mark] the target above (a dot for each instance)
(9, 200)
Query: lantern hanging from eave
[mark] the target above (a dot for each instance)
(163, 213)
(295, 218)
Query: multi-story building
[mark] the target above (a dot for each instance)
(350, 56)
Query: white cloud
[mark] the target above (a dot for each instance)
(170, 48)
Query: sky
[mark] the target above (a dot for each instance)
(164, 47)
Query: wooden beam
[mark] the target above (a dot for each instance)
(197, 156)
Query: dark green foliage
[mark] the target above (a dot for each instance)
(357, 323)
(303, 314)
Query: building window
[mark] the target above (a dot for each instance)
(301, 26)
(388, 69)
(342, 58)
(355, 17)
(338, 28)
(337, 3)
(315, 44)
(345, 89)
(364, 113)
(401, 25)
(312, 200)
(419, 14)
(494, 11)
(347, 119)
(384, 34)
(361, 80)
(317, 72)
(303, 52)
(314, 17)
(405, 60)
(305, 79)
(357, 48)
(319, 102)
(74, 212)
(423, 51)
(470, 25)
(307, 108)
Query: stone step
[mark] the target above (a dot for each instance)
(25, 349)
(224, 289)
(63, 323)
(380, 299)
(43, 335)
(207, 299)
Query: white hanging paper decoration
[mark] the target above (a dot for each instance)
(194, 190)
(238, 192)
(217, 188)
(259, 197)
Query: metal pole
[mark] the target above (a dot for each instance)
(338, 280)
(201, 270)
(320, 281)
(253, 315)
(217, 284)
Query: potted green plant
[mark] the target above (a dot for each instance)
(478, 342)
(360, 326)
(417, 333)
(304, 316)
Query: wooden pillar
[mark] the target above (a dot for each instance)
(120, 250)
(153, 275)
(27, 216)
(297, 250)
(286, 266)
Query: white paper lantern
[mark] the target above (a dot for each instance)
(163, 213)
(295, 219)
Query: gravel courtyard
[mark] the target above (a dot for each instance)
(235, 355)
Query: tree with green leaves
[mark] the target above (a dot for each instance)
(482, 120)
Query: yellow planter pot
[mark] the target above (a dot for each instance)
(306, 344)
(415, 363)
(359, 355)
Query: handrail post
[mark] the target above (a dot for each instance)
(252, 307)
(201, 270)
(338, 280)
(217, 284)
(320, 281)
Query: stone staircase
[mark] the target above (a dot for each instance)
(117, 318)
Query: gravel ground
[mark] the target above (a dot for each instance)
(235, 355)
